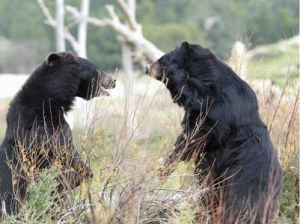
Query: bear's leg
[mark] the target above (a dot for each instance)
(69, 180)
(79, 165)
(10, 204)
(12, 190)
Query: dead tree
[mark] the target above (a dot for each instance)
(129, 33)
(79, 44)
(129, 30)
(134, 47)
(60, 34)
(82, 28)
(57, 23)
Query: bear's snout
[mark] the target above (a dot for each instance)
(154, 70)
(147, 69)
(112, 83)
(107, 81)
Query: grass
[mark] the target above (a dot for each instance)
(126, 160)
(275, 64)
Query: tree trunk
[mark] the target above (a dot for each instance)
(127, 63)
(129, 30)
(60, 34)
(82, 28)
(128, 80)
(86, 108)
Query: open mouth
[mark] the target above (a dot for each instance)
(104, 87)
(102, 92)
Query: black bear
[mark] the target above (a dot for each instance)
(37, 133)
(223, 131)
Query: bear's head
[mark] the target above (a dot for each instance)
(186, 71)
(184, 57)
(93, 81)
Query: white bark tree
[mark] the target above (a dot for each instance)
(129, 30)
(129, 33)
(82, 28)
(57, 23)
(60, 34)
(134, 46)
(62, 30)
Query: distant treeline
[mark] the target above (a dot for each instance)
(25, 39)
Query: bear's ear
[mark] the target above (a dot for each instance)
(185, 48)
(185, 44)
(52, 57)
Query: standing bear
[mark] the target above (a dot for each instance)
(223, 131)
(37, 133)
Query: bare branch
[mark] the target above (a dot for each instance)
(145, 50)
(130, 31)
(128, 9)
(131, 5)
(71, 39)
(99, 22)
(73, 11)
(49, 19)
(113, 14)
(94, 21)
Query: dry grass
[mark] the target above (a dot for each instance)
(125, 152)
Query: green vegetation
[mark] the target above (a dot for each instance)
(39, 201)
(275, 63)
(216, 24)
